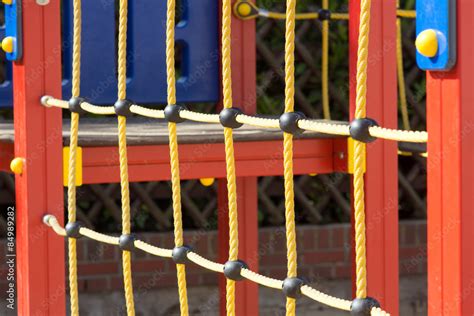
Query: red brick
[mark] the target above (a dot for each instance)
(98, 268)
(324, 238)
(324, 272)
(273, 260)
(308, 240)
(145, 266)
(339, 240)
(323, 257)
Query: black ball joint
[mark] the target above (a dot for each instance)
(363, 306)
(232, 269)
(289, 122)
(122, 107)
(359, 129)
(72, 230)
(172, 113)
(324, 14)
(292, 287)
(127, 242)
(75, 105)
(180, 254)
(228, 117)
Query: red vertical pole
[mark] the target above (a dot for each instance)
(381, 185)
(450, 99)
(244, 97)
(38, 139)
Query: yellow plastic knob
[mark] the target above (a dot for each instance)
(244, 9)
(7, 44)
(207, 182)
(16, 165)
(7, 2)
(427, 43)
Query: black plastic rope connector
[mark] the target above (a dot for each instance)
(172, 113)
(72, 230)
(292, 287)
(127, 242)
(232, 269)
(363, 306)
(180, 254)
(122, 107)
(75, 105)
(289, 122)
(228, 117)
(324, 14)
(359, 130)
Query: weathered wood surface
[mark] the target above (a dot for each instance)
(95, 132)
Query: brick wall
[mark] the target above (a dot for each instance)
(323, 253)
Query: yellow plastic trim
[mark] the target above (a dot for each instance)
(7, 44)
(427, 43)
(78, 166)
(207, 182)
(16, 165)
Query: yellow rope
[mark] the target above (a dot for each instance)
(324, 62)
(360, 151)
(288, 150)
(76, 79)
(122, 135)
(174, 157)
(229, 151)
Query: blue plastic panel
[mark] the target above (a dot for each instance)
(6, 91)
(13, 28)
(197, 33)
(439, 15)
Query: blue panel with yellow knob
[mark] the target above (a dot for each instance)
(11, 43)
(436, 34)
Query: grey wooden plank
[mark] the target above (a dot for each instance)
(95, 132)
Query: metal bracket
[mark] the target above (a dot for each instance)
(12, 44)
(436, 32)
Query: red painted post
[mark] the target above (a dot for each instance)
(450, 99)
(381, 178)
(38, 139)
(244, 97)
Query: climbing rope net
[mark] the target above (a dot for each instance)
(361, 129)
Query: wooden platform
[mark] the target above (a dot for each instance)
(258, 152)
(99, 132)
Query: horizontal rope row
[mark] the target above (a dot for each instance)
(408, 14)
(306, 290)
(318, 126)
(251, 11)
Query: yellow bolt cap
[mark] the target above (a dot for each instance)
(244, 9)
(427, 43)
(16, 165)
(207, 182)
(7, 44)
(8, 2)
(313, 174)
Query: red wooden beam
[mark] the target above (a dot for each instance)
(151, 163)
(381, 185)
(450, 99)
(38, 139)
